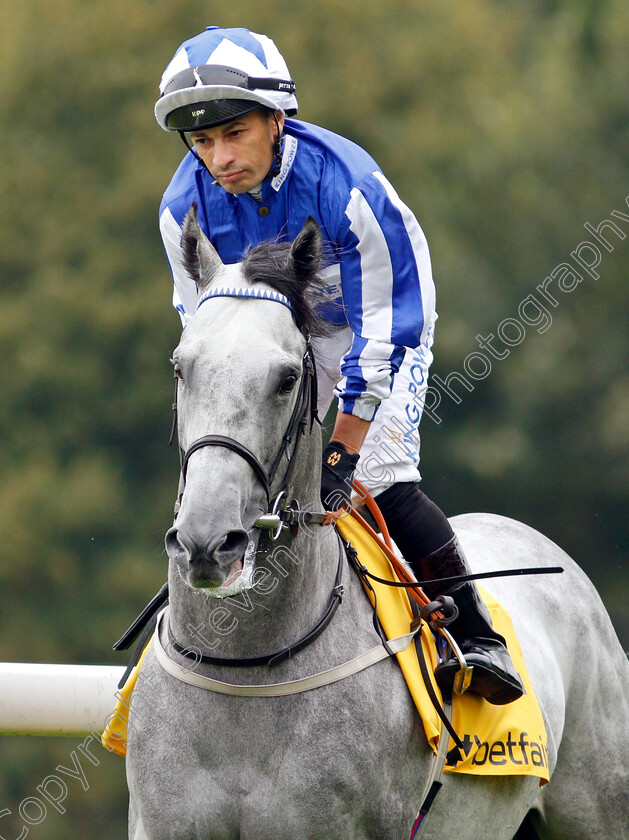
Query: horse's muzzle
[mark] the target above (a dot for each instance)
(206, 561)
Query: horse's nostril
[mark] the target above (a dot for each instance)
(233, 546)
(172, 541)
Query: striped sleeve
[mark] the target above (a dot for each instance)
(388, 292)
(185, 289)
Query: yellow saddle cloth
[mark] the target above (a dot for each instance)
(114, 736)
(497, 740)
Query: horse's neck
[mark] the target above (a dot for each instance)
(292, 584)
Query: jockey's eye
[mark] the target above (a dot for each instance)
(288, 384)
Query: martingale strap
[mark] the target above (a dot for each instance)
(433, 781)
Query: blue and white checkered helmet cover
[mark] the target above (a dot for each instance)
(249, 53)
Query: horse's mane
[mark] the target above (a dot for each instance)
(269, 263)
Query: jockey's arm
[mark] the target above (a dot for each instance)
(339, 459)
(351, 431)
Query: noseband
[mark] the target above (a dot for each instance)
(304, 412)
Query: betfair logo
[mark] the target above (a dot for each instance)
(334, 458)
(509, 752)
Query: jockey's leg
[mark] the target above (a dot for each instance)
(424, 536)
(388, 468)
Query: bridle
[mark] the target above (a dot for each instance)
(304, 413)
(281, 509)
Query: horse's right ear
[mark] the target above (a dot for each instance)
(200, 258)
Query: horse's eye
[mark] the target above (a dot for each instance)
(177, 371)
(288, 384)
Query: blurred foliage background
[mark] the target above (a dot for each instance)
(505, 127)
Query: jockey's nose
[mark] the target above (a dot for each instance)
(222, 155)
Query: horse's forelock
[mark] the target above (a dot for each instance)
(271, 264)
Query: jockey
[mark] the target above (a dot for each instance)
(256, 174)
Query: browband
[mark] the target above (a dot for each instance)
(257, 294)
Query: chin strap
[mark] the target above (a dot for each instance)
(277, 149)
(184, 140)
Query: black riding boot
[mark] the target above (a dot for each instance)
(494, 676)
(424, 536)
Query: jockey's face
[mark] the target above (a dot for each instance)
(239, 154)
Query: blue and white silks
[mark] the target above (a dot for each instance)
(378, 272)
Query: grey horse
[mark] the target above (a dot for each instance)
(346, 760)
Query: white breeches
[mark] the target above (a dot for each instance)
(390, 453)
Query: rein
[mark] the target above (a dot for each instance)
(409, 583)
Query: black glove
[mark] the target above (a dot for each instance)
(336, 476)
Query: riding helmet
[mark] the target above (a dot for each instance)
(222, 74)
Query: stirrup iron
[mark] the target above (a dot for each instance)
(463, 677)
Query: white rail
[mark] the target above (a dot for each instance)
(56, 699)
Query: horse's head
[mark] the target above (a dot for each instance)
(243, 366)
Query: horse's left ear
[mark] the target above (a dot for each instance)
(305, 252)
(200, 258)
